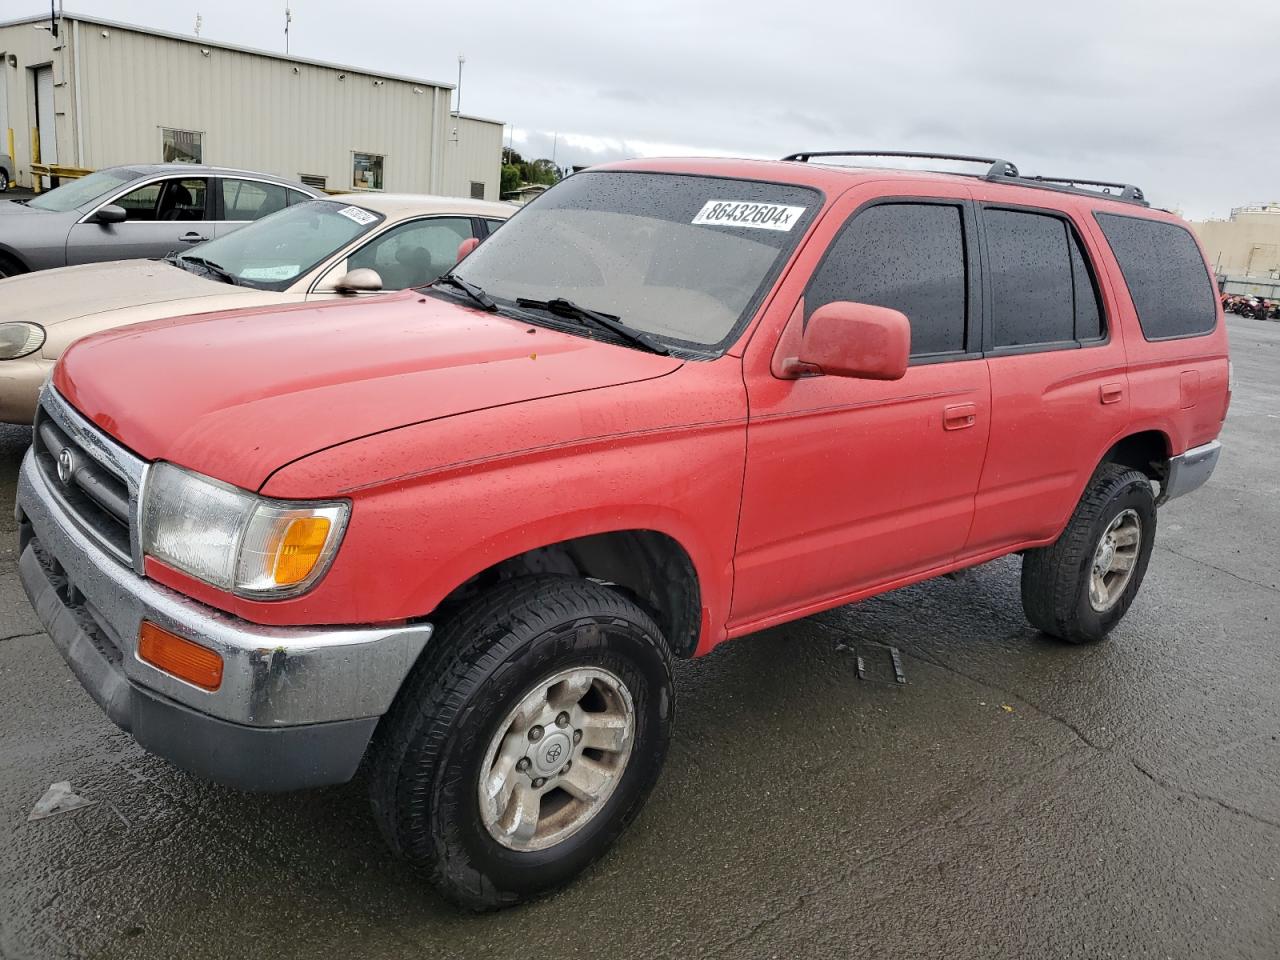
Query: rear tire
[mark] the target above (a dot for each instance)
(1078, 588)
(464, 709)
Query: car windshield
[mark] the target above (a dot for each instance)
(687, 258)
(274, 251)
(77, 193)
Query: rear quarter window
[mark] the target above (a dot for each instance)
(1166, 276)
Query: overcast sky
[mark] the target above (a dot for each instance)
(1180, 97)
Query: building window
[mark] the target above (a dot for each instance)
(183, 146)
(366, 171)
(477, 190)
(315, 180)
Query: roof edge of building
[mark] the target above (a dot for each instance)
(235, 48)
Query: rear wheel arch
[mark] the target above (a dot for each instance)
(1147, 451)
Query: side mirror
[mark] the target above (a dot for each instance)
(359, 280)
(111, 214)
(466, 246)
(845, 339)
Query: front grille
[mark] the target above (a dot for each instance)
(97, 486)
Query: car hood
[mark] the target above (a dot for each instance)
(50, 297)
(8, 207)
(73, 302)
(238, 395)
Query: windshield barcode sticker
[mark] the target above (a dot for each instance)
(740, 213)
(362, 217)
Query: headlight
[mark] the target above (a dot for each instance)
(19, 339)
(235, 540)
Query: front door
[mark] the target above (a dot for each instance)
(166, 216)
(853, 484)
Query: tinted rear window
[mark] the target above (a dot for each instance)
(1031, 283)
(1042, 289)
(1166, 276)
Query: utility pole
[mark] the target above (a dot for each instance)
(288, 19)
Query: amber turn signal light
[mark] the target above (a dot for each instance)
(176, 655)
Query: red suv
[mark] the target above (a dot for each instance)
(461, 533)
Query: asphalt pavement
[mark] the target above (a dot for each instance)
(1016, 797)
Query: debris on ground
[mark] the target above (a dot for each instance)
(59, 798)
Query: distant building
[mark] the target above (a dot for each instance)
(102, 94)
(1245, 249)
(530, 191)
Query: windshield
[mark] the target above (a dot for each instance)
(273, 252)
(77, 193)
(683, 257)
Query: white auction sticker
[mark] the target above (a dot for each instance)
(283, 272)
(362, 217)
(742, 213)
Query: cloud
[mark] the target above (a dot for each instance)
(1157, 92)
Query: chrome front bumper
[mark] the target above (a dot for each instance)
(272, 676)
(1190, 471)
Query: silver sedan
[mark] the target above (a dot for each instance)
(147, 210)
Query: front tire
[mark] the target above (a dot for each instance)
(1078, 588)
(525, 740)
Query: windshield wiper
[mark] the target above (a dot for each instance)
(470, 289)
(217, 270)
(567, 308)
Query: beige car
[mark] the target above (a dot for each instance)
(344, 246)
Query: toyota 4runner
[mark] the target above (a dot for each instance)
(460, 534)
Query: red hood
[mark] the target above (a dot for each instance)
(238, 395)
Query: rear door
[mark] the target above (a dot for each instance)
(853, 484)
(1059, 386)
(165, 216)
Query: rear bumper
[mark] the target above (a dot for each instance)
(296, 707)
(1191, 470)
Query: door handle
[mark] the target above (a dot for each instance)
(959, 416)
(192, 238)
(1111, 393)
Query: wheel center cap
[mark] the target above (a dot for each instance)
(551, 754)
(1106, 553)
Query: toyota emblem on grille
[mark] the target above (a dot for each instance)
(66, 465)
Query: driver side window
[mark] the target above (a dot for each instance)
(413, 254)
(166, 201)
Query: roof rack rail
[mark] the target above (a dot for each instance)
(1127, 191)
(998, 169)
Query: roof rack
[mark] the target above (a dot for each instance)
(1000, 171)
(1126, 191)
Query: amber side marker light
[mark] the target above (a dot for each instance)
(176, 655)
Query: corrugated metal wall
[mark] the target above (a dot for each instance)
(277, 116)
(473, 156)
(34, 48)
(252, 110)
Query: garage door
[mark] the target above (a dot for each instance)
(44, 117)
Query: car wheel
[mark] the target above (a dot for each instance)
(4, 181)
(1078, 588)
(525, 740)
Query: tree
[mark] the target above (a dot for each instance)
(511, 179)
(542, 171)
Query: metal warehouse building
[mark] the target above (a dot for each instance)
(101, 93)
